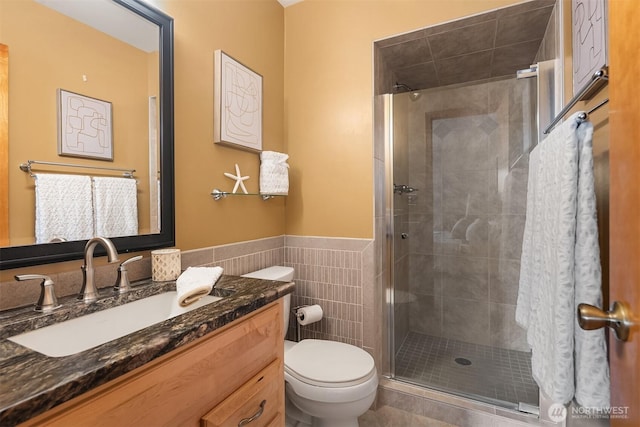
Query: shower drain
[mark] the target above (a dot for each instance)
(462, 361)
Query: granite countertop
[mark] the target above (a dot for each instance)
(32, 383)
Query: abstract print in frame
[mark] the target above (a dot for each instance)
(84, 126)
(589, 28)
(237, 104)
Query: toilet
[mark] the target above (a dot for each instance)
(327, 383)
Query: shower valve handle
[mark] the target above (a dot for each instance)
(402, 189)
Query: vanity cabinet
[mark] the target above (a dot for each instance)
(217, 380)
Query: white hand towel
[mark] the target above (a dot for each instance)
(560, 267)
(63, 207)
(115, 206)
(196, 282)
(274, 173)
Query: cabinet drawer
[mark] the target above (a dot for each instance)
(260, 398)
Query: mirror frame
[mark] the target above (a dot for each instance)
(29, 255)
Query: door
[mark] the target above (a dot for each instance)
(624, 116)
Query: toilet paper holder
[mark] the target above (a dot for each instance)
(297, 316)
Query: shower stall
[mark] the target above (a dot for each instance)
(452, 173)
(459, 160)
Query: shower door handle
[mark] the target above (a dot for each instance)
(618, 318)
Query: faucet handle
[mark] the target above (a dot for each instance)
(130, 260)
(47, 301)
(122, 282)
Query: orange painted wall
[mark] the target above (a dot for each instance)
(329, 99)
(253, 33)
(316, 58)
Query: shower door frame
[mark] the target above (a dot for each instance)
(389, 368)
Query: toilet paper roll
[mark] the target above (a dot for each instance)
(309, 314)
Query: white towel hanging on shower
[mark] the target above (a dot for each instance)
(560, 268)
(63, 207)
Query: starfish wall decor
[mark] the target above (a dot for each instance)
(239, 180)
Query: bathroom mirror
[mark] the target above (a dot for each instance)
(142, 129)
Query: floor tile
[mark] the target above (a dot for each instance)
(488, 373)
(387, 416)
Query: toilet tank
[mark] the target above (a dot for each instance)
(282, 274)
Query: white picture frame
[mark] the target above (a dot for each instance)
(589, 33)
(85, 127)
(237, 108)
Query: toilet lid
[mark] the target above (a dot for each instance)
(328, 363)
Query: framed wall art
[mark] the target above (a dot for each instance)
(237, 104)
(85, 127)
(589, 25)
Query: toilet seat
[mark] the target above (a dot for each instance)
(329, 364)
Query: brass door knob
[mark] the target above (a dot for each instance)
(618, 318)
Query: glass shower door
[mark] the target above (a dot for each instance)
(460, 158)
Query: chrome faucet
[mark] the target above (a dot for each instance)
(89, 292)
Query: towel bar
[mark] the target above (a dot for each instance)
(598, 80)
(26, 167)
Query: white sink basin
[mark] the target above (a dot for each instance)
(85, 332)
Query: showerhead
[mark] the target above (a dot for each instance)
(414, 95)
(399, 86)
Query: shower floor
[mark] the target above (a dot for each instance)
(486, 373)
